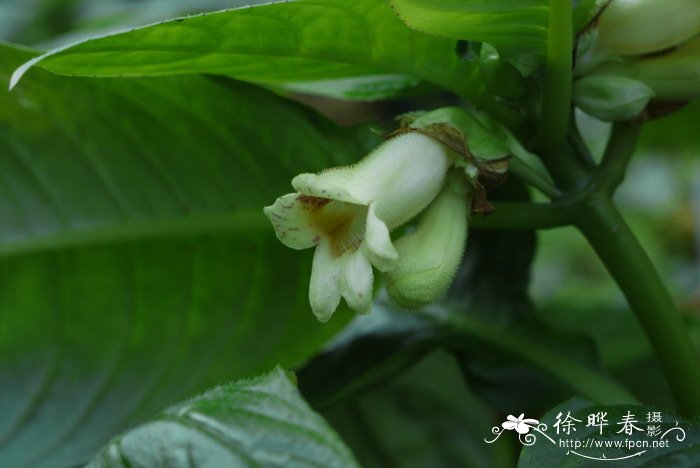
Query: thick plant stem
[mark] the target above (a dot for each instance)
(634, 273)
(556, 97)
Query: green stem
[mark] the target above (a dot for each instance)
(579, 146)
(618, 154)
(522, 215)
(629, 265)
(555, 118)
(556, 92)
(581, 379)
(566, 168)
(527, 175)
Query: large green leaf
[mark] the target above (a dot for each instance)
(275, 43)
(258, 422)
(426, 417)
(136, 264)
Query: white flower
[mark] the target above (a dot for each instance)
(347, 214)
(522, 426)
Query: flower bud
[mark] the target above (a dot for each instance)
(637, 27)
(673, 76)
(611, 98)
(430, 255)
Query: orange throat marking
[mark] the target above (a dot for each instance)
(339, 222)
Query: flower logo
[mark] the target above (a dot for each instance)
(522, 426)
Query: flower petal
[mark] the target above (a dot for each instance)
(291, 222)
(320, 185)
(377, 244)
(356, 282)
(522, 428)
(402, 176)
(508, 425)
(324, 288)
(410, 178)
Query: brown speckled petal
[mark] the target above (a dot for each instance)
(291, 221)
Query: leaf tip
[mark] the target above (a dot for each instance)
(19, 72)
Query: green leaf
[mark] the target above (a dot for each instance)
(425, 417)
(369, 352)
(274, 43)
(512, 26)
(258, 422)
(682, 446)
(135, 261)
